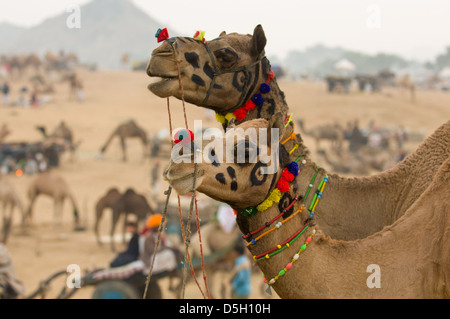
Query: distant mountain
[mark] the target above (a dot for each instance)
(9, 32)
(109, 29)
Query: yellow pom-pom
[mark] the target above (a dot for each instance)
(278, 246)
(220, 118)
(267, 256)
(230, 116)
(275, 195)
(264, 205)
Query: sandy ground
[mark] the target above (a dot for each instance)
(114, 96)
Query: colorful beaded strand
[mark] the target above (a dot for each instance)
(294, 259)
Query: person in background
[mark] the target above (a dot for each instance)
(241, 275)
(5, 90)
(132, 252)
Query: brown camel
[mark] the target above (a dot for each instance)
(232, 68)
(346, 164)
(332, 132)
(9, 197)
(125, 130)
(408, 258)
(52, 184)
(106, 201)
(218, 252)
(4, 132)
(405, 84)
(124, 204)
(61, 135)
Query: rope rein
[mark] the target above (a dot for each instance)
(193, 205)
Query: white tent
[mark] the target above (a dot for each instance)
(445, 73)
(344, 65)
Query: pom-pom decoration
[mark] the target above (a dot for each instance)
(258, 99)
(265, 88)
(199, 36)
(161, 35)
(183, 137)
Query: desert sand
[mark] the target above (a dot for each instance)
(114, 96)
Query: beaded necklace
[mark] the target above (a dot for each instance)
(312, 206)
(257, 99)
(288, 175)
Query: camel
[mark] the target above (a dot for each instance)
(407, 85)
(346, 165)
(218, 252)
(125, 130)
(332, 132)
(222, 75)
(52, 184)
(400, 187)
(408, 258)
(125, 204)
(61, 135)
(4, 132)
(9, 197)
(106, 201)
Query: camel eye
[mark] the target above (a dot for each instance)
(226, 57)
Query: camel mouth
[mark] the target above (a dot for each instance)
(183, 184)
(164, 86)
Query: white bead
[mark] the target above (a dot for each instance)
(278, 225)
(304, 162)
(296, 256)
(272, 281)
(310, 185)
(314, 231)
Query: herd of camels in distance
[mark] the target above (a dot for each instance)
(397, 218)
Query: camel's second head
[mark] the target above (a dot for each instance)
(220, 74)
(239, 168)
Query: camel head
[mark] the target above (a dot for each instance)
(220, 74)
(239, 168)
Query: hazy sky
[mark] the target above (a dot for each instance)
(413, 28)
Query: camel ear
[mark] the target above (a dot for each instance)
(223, 33)
(276, 122)
(259, 41)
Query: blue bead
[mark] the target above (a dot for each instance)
(253, 241)
(319, 195)
(325, 179)
(258, 99)
(265, 88)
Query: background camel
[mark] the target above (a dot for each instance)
(337, 268)
(405, 84)
(126, 130)
(331, 132)
(61, 135)
(9, 199)
(4, 132)
(218, 252)
(52, 184)
(104, 202)
(124, 204)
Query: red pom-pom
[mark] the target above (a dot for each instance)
(240, 114)
(283, 185)
(162, 35)
(183, 137)
(287, 175)
(249, 105)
